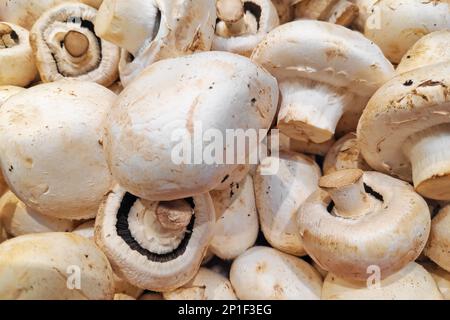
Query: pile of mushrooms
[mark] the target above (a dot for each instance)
(224, 150)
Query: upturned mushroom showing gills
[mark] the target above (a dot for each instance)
(16, 57)
(279, 196)
(158, 118)
(439, 243)
(20, 220)
(243, 26)
(152, 30)
(65, 46)
(412, 282)
(63, 119)
(324, 70)
(25, 12)
(263, 273)
(157, 246)
(362, 219)
(405, 130)
(41, 266)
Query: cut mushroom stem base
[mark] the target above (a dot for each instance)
(310, 110)
(346, 188)
(429, 153)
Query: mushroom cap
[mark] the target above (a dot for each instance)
(365, 11)
(441, 277)
(412, 282)
(140, 266)
(124, 287)
(395, 25)
(390, 236)
(237, 223)
(439, 242)
(64, 119)
(26, 12)
(326, 53)
(285, 9)
(18, 64)
(186, 27)
(45, 264)
(264, 273)
(307, 147)
(206, 285)
(409, 103)
(20, 220)
(279, 196)
(430, 49)
(86, 229)
(344, 154)
(187, 95)
(267, 19)
(98, 60)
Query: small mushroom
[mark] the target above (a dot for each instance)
(395, 25)
(20, 220)
(241, 35)
(152, 30)
(429, 50)
(264, 273)
(439, 242)
(412, 282)
(441, 277)
(206, 285)
(340, 12)
(324, 71)
(360, 219)
(65, 46)
(16, 56)
(189, 96)
(157, 246)
(54, 266)
(345, 154)
(279, 196)
(51, 147)
(404, 123)
(237, 223)
(307, 147)
(26, 12)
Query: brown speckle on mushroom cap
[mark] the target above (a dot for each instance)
(142, 251)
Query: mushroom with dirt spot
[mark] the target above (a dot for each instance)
(324, 71)
(157, 246)
(65, 46)
(359, 219)
(16, 56)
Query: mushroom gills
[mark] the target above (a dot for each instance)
(126, 229)
(429, 154)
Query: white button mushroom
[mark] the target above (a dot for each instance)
(395, 25)
(19, 220)
(66, 46)
(438, 247)
(188, 96)
(357, 220)
(345, 154)
(157, 246)
(279, 196)
(26, 12)
(412, 282)
(40, 266)
(340, 12)
(237, 223)
(51, 147)
(441, 277)
(324, 70)
(206, 285)
(151, 30)
(264, 273)
(242, 35)
(16, 56)
(405, 130)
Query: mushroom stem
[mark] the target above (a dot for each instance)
(429, 154)
(174, 215)
(230, 10)
(346, 189)
(310, 111)
(8, 37)
(76, 44)
(247, 25)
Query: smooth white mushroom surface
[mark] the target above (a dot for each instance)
(438, 246)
